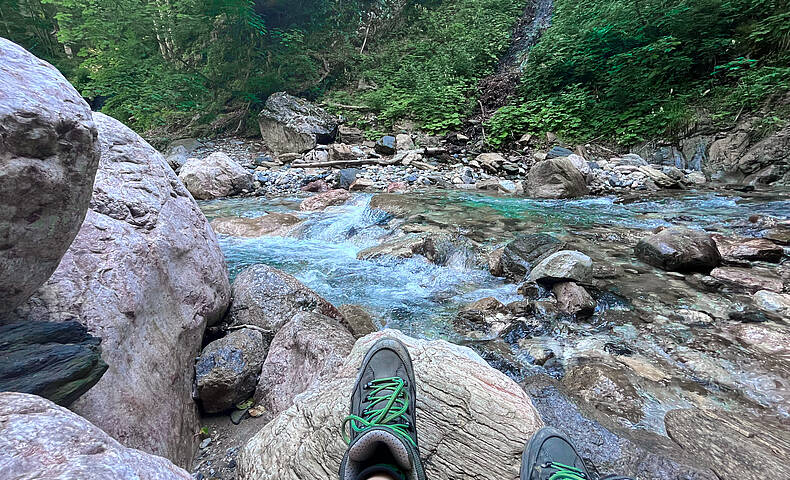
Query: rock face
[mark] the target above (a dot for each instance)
(268, 298)
(522, 254)
(565, 265)
(472, 420)
(293, 125)
(305, 349)
(737, 447)
(57, 361)
(215, 176)
(555, 178)
(736, 158)
(228, 369)
(43, 440)
(275, 224)
(679, 249)
(145, 274)
(324, 200)
(49, 154)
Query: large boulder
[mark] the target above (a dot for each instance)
(271, 224)
(524, 252)
(49, 154)
(227, 370)
(305, 349)
(42, 440)
(293, 125)
(555, 178)
(58, 361)
(739, 249)
(145, 274)
(268, 298)
(573, 299)
(472, 420)
(679, 249)
(215, 176)
(563, 266)
(737, 157)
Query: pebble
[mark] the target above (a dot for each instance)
(205, 443)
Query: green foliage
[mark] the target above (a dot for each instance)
(629, 70)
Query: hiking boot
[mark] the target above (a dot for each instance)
(550, 455)
(382, 431)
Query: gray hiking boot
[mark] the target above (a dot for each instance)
(382, 432)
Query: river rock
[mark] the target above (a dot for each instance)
(558, 152)
(43, 440)
(565, 265)
(49, 155)
(271, 224)
(679, 249)
(403, 141)
(490, 162)
(386, 145)
(738, 446)
(772, 302)
(659, 178)
(450, 249)
(308, 347)
(146, 274)
(359, 320)
(361, 184)
(455, 387)
(573, 299)
(606, 389)
(347, 176)
(215, 176)
(749, 280)
(555, 178)
(227, 370)
(58, 361)
(611, 448)
(350, 135)
(524, 252)
(324, 200)
(738, 250)
(292, 125)
(339, 152)
(403, 247)
(316, 186)
(269, 298)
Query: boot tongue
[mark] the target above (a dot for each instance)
(365, 446)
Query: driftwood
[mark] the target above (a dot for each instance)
(361, 108)
(344, 163)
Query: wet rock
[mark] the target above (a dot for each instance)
(227, 370)
(695, 178)
(679, 249)
(268, 298)
(453, 250)
(659, 178)
(737, 446)
(487, 305)
(346, 177)
(565, 265)
(749, 280)
(350, 135)
(403, 141)
(558, 152)
(767, 338)
(49, 156)
(302, 442)
(738, 250)
(394, 204)
(397, 187)
(293, 125)
(525, 251)
(606, 389)
(555, 178)
(57, 361)
(609, 447)
(271, 224)
(573, 299)
(215, 176)
(147, 272)
(43, 440)
(397, 248)
(484, 316)
(361, 184)
(359, 320)
(308, 347)
(316, 186)
(324, 200)
(495, 266)
(772, 302)
(386, 145)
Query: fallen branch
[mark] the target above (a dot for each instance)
(342, 163)
(251, 327)
(361, 108)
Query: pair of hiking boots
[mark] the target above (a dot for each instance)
(381, 429)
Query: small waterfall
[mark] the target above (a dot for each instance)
(536, 19)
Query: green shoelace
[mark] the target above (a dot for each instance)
(564, 472)
(392, 415)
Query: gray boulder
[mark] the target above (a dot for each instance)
(360, 322)
(565, 265)
(386, 145)
(573, 299)
(305, 349)
(227, 370)
(679, 249)
(147, 275)
(43, 440)
(524, 252)
(49, 157)
(57, 361)
(555, 178)
(215, 176)
(559, 152)
(292, 125)
(474, 426)
(269, 298)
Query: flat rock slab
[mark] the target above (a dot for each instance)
(472, 420)
(272, 224)
(737, 446)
